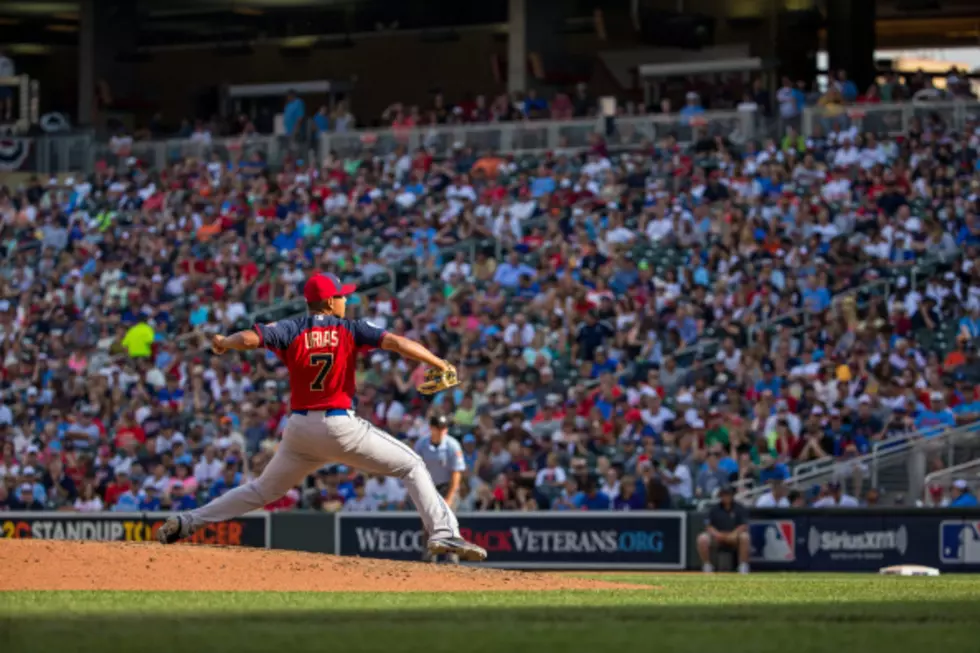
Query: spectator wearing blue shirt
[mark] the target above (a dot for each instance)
(936, 419)
(970, 324)
(171, 393)
(509, 272)
(592, 498)
(229, 480)
(816, 298)
(127, 502)
(292, 115)
(631, 495)
(534, 105)
(39, 493)
(602, 364)
(345, 486)
(543, 184)
(179, 500)
(769, 381)
(962, 496)
(847, 88)
(322, 120)
(693, 107)
(286, 240)
(150, 500)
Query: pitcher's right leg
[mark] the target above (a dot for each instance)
(366, 447)
(287, 468)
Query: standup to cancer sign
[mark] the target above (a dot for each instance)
(108, 527)
(633, 540)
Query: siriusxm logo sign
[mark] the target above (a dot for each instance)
(857, 545)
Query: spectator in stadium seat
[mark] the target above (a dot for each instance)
(591, 498)
(961, 496)
(293, 113)
(24, 499)
(677, 478)
(60, 487)
(88, 500)
(833, 497)
(776, 497)
(725, 528)
(631, 495)
(150, 500)
(229, 480)
(692, 109)
(180, 499)
(711, 477)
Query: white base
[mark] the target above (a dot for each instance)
(909, 570)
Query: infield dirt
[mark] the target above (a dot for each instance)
(60, 565)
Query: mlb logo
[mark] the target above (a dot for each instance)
(773, 540)
(959, 542)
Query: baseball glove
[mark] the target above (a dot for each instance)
(439, 380)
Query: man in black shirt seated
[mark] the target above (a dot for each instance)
(727, 527)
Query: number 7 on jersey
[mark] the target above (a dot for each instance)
(324, 362)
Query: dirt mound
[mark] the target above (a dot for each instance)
(58, 565)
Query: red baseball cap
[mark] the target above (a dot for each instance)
(323, 286)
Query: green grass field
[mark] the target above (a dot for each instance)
(757, 613)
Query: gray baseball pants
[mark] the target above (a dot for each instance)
(312, 440)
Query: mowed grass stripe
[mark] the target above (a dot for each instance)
(758, 613)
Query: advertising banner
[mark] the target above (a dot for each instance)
(626, 540)
(250, 530)
(830, 540)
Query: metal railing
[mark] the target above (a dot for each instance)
(59, 154)
(528, 137)
(894, 450)
(79, 153)
(968, 471)
(892, 118)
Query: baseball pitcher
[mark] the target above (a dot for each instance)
(319, 351)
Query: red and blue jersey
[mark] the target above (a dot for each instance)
(320, 353)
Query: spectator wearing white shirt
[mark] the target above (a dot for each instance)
(209, 468)
(776, 497)
(848, 155)
(361, 501)
(159, 480)
(552, 477)
(786, 97)
(88, 500)
(387, 491)
(459, 268)
(201, 135)
(838, 188)
(835, 498)
(519, 333)
(783, 414)
(677, 478)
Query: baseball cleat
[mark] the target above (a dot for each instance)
(173, 530)
(457, 546)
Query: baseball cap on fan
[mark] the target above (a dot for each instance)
(323, 286)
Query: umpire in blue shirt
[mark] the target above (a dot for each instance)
(443, 457)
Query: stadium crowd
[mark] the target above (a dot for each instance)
(635, 328)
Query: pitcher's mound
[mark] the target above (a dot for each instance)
(51, 565)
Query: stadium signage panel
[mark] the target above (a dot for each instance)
(250, 530)
(864, 540)
(632, 540)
